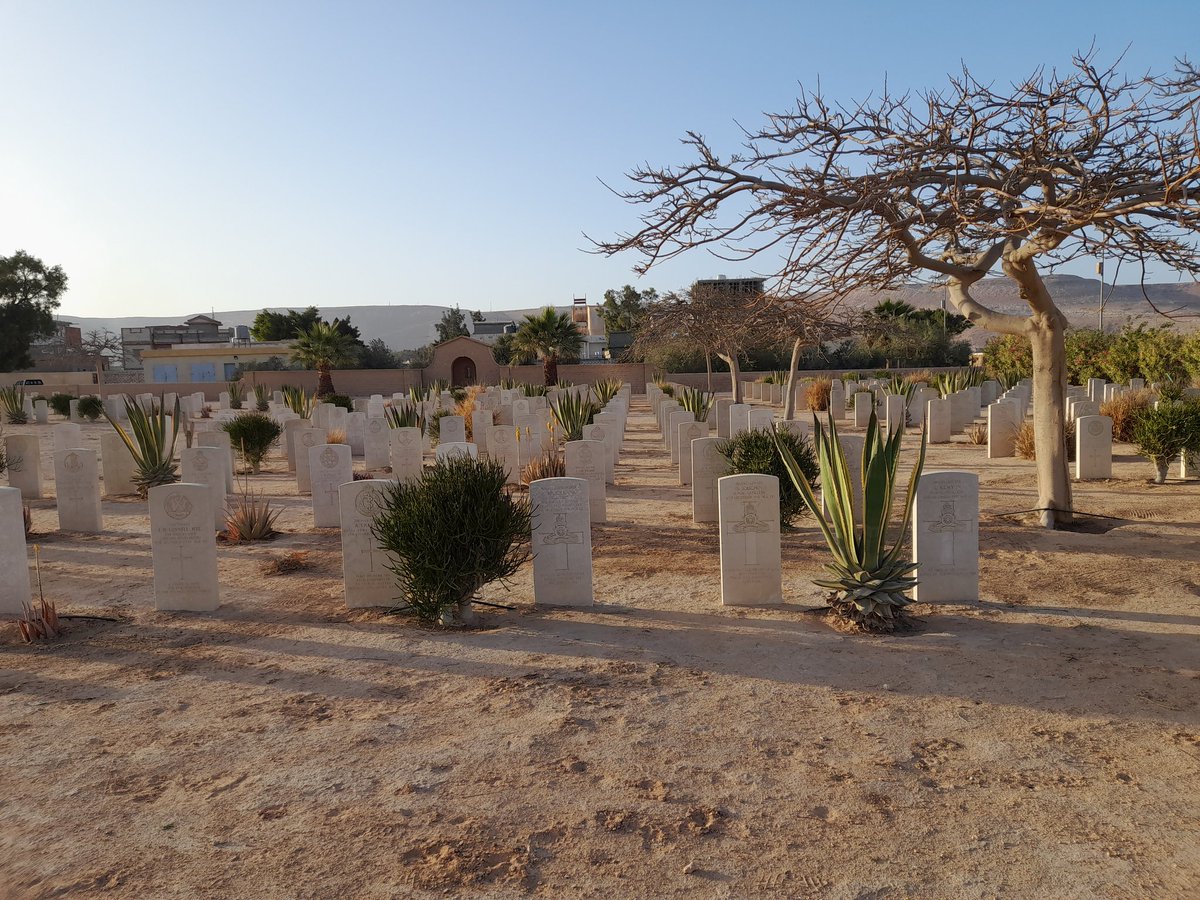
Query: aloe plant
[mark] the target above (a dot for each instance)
(572, 413)
(148, 442)
(696, 402)
(13, 401)
(262, 399)
(871, 580)
(403, 417)
(237, 393)
(298, 401)
(607, 388)
(948, 383)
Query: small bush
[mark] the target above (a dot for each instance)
(1124, 411)
(339, 400)
(335, 436)
(237, 394)
(91, 407)
(754, 453)
(452, 532)
(977, 433)
(1161, 434)
(818, 394)
(262, 398)
(61, 403)
(253, 434)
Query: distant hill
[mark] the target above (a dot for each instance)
(407, 327)
(1077, 297)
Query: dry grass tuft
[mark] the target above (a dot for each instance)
(976, 432)
(817, 395)
(1124, 410)
(1023, 441)
(336, 436)
(295, 561)
(550, 466)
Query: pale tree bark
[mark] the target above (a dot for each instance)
(789, 402)
(708, 370)
(735, 374)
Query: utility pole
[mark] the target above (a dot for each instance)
(1100, 272)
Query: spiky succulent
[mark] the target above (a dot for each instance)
(151, 442)
(871, 579)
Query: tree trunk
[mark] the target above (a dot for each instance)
(789, 402)
(324, 381)
(550, 370)
(1046, 335)
(735, 374)
(708, 369)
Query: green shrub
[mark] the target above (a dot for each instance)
(91, 407)
(755, 453)
(298, 401)
(253, 434)
(697, 402)
(1161, 434)
(237, 393)
(452, 532)
(262, 399)
(61, 404)
(339, 400)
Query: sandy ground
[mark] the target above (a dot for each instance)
(1042, 743)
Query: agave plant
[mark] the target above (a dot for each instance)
(237, 393)
(948, 383)
(534, 390)
(871, 580)
(262, 399)
(607, 388)
(403, 417)
(147, 439)
(418, 395)
(696, 402)
(13, 401)
(572, 412)
(298, 401)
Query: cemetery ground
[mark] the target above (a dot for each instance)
(1044, 742)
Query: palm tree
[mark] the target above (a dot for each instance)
(549, 335)
(323, 347)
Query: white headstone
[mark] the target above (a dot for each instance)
(306, 439)
(67, 435)
(453, 430)
(220, 440)
(77, 489)
(481, 423)
(375, 443)
(852, 449)
(707, 467)
(1002, 429)
(454, 449)
(1093, 447)
(688, 432)
(14, 557)
(895, 412)
(864, 402)
(721, 415)
(674, 421)
(207, 466)
(404, 451)
(589, 460)
(118, 466)
(837, 402)
(739, 419)
(607, 435)
(330, 466)
(937, 421)
(24, 455)
(502, 447)
(41, 411)
(183, 546)
(760, 420)
(356, 423)
(366, 578)
(562, 542)
(946, 537)
(751, 562)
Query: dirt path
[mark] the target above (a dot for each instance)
(1043, 743)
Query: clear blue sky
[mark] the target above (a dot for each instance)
(176, 157)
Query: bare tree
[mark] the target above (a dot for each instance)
(950, 185)
(102, 342)
(806, 320)
(722, 323)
